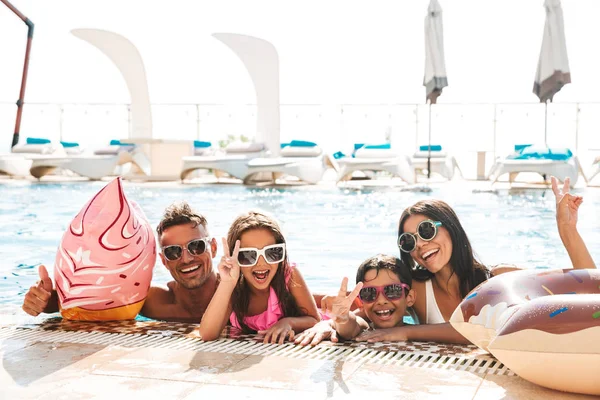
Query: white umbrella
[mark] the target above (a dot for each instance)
(435, 65)
(553, 66)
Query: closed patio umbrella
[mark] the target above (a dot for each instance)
(435, 65)
(553, 65)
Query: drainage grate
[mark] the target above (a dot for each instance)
(420, 355)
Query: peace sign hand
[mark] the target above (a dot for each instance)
(340, 308)
(566, 204)
(229, 269)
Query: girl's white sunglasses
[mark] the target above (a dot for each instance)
(273, 254)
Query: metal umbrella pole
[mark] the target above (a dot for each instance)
(21, 99)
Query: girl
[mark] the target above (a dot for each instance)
(269, 296)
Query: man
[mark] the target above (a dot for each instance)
(186, 251)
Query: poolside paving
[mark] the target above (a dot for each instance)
(62, 360)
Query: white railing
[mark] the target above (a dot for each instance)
(462, 129)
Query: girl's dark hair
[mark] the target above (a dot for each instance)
(382, 261)
(469, 270)
(241, 295)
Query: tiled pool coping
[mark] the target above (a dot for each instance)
(101, 360)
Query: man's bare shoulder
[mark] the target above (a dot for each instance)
(162, 293)
(157, 299)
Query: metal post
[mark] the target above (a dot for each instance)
(417, 126)
(21, 99)
(546, 123)
(60, 121)
(495, 121)
(129, 121)
(429, 146)
(577, 129)
(198, 121)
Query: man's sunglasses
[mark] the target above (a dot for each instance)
(273, 254)
(395, 291)
(426, 230)
(195, 248)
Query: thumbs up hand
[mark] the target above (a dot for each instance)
(37, 298)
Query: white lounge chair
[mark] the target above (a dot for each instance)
(303, 160)
(96, 165)
(233, 161)
(441, 162)
(558, 162)
(375, 158)
(18, 162)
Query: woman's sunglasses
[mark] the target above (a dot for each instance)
(395, 291)
(195, 248)
(426, 230)
(273, 254)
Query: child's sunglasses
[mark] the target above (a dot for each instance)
(195, 248)
(395, 291)
(273, 254)
(426, 230)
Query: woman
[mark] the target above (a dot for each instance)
(433, 243)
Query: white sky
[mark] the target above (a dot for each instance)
(331, 52)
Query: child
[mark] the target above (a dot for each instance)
(269, 296)
(383, 284)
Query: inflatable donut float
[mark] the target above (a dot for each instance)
(543, 325)
(105, 260)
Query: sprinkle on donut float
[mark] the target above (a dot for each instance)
(543, 325)
(105, 260)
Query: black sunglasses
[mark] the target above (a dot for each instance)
(195, 248)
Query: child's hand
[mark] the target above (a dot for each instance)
(229, 269)
(340, 308)
(281, 330)
(315, 335)
(397, 334)
(566, 204)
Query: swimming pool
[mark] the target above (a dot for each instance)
(329, 230)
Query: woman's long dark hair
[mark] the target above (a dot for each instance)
(469, 270)
(241, 295)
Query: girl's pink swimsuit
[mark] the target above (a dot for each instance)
(270, 316)
(264, 320)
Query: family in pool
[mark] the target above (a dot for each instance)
(258, 289)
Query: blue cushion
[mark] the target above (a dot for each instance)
(198, 144)
(378, 146)
(543, 153)
(358, 146)
(302, 143)
(116, 142)
(69, 144)
(338, 155)
(284, 145)
(33, 140)
(434, 147)
(520, 147)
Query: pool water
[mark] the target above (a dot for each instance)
(329, 230)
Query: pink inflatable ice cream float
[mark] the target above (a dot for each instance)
(105, 259)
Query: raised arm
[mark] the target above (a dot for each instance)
(219, 309)
(567, 206)
(41, 297)
(346, 323)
